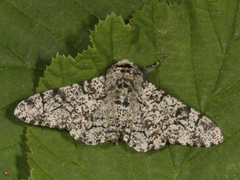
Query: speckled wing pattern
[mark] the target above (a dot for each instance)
(71, 107)
(162, 118)
(120, 106)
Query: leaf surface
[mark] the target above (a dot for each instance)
(192, 72)
(32, 32)
(201, 39)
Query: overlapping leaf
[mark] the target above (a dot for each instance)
(31, 33)
(201, 39)
(193, 72)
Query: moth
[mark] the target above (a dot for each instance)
(120, 106)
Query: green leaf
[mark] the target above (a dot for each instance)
(201, 39)
(191, 34)
(32, 32)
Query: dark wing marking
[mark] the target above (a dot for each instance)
(161, 118)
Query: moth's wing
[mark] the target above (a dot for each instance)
(138, 133)
(75, 108)
(143, 131)
(162, 118)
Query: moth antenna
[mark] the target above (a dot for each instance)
(150, 68)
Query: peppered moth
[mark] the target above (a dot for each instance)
(121, 105)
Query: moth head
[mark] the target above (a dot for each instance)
(124, 71)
